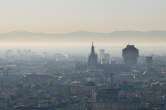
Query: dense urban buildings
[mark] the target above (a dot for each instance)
(41, 81)
(48, 60)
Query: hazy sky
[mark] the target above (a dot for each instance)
(61, 16)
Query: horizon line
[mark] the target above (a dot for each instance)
(81, 31)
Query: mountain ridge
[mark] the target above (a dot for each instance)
(88, 33)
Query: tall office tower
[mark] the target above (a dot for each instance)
(102, 52)
(104, 58)
(130, 55)
(92, 60)
(101, 57)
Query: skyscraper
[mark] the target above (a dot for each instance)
(101, 55)
(104, 58)
(130, 55)
(92, 60)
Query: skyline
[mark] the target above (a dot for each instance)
(61, 16)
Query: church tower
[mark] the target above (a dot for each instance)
(92, 60)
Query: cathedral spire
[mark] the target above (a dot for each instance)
(92, 49)
(92, 61)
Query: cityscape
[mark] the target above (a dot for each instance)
(82, 54)
(31, 81)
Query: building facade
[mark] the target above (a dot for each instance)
(130, 55)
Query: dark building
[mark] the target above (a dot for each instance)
(92, 60)
(130, 55)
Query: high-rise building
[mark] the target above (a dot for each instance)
(102, 52)
(92, 60)
(130, 55)
(101, 55)
(104, 58)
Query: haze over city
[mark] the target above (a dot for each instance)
(82, 55)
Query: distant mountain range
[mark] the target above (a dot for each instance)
(87, 33)
(114, 37)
